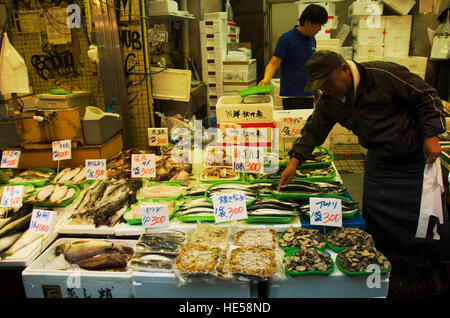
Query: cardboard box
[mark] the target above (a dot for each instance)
(365, 8)
(239, 71)
(39, 158)
(97, 132)
(400, 6)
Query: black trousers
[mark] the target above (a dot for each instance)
(298, 103)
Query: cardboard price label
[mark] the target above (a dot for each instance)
(10, 159)
(325, 211)
(96, 169)
(42, 222)
(248, 159)
(229, 207)
(291, 127)
(155, 216)
(143, 166)
(158, 137)
(62, 150)
(12, 196)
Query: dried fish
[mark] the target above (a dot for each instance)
(349, 236)
(217, 173)
(360, 257)
(255, 263)
(308, 260)
(302, 238)
(162, 191)
(262, 238)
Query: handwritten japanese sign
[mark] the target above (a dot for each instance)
(229, 207)
(12, 196)
(155, 216)
(143, 166)
(248, 159)
(10, 159)
(230, 134)
(62, 150)
(42, 222)
(291, 127)
(96, 169)
(325, 211)
(158, 137)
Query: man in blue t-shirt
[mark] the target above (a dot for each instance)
(293, 49)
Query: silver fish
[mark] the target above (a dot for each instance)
(196, 211)
(271, 212)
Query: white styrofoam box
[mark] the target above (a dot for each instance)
(328, 44)
(48, 277)
(415, 64)
(323, 34)
(368, 51)
(231, 27)
(75, 99)
(395, 36)
(215, 16)
(332, 23)
(232, 38)
(212, 76)
(400, 49)
(400, 6)
(365, 8)
(212, 65)
(329, 48)
(375, 36)
(166, 6)
(239, 71)
(277, 101)
(227, 104)
(213, 26)
(217, 40)
(346, 52)
(234, 88)
(398, 22)
(211, 52)
(212, 100)
(329, 6)
(215, 89)
(363, 22)
(342, 32)
(165, 285)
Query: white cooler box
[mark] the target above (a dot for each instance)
(165, 285)
(45, 278)
(76, 99)
(239, 71)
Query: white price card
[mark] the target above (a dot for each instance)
(291, 127)
(143, 166)
(155, 216)
(229, 207)
(12, 196)
(248, 159)
(325, 211)
(62, 150)
(96, 169)
(10, 159)
(158, 137)
(42, 222)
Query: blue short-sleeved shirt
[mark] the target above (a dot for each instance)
(294, 49)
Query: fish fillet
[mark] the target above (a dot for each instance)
(70, 193)
(69, 175)
(58, 193)
(45, 192)
(60, 175)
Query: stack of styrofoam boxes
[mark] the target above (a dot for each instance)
(367, 30)
(397, 36)
(213, 41)
(238, 76)
(233, 32)
(323, 37)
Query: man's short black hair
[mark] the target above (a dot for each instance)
(315, 14)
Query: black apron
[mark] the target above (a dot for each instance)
(391, 207)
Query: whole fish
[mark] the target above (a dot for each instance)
(24, 240)
(16, 214)
(271, 212)
(78, 250)
(196, 211)
(7, 241)
(17, 226)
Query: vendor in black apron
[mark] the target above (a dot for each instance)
(397, 117)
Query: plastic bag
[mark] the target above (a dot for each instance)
(13, 70)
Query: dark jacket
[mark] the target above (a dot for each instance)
(392, 112)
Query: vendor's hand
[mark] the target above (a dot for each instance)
(431, 149)
(288, 173)
(264, 82)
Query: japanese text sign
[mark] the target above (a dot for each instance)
(143, 166)
(248, 159)
(62, 150)
(291, 127)
(95, 169)
(325, 211)
(229, 207)
(12, 196)
(42, 222)
(158, 137)
(10, 159)
(155, 216)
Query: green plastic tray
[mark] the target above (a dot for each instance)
(288, 249)
(338, 249)
(328, 272)
(270, 219)
(341, 268)
(138, 221)
(315, 164)
(265, 89)
(193, 218)
(62, 205)
(39, 183)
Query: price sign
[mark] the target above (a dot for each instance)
(96, 169)
(42, 222)
(248, 159)
(230, 134)
(143, 166)
(155, 216)
(62, 150)
(229, 207)
(12, 196)
(291, 127)
(325, 211)
(10, 159)
(158, 137)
